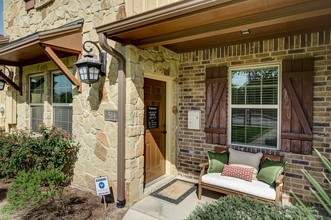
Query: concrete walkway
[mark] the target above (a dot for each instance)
(151, 208)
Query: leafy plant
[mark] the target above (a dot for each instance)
(233, 207)
(24, 150)
(32, 187)
(59, 150)
(15, 152)
(320, 194)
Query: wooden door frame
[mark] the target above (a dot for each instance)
(170, 124)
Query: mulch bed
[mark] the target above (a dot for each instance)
(76, 205)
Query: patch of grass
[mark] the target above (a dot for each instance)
(33, 187)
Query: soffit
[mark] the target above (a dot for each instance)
(189, 25)
(65, 41)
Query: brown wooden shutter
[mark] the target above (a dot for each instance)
(297, 105)
(216, 105)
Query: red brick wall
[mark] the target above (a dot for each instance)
(191, 143)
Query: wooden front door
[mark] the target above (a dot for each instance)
(155, 129)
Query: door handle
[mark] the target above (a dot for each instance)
(164, 132)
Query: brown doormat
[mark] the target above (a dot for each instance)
(175, 191)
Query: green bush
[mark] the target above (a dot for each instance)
(15, 152)
(58, 149)
(231, 207)
(24, 150)
(42, 163)
(32, 187)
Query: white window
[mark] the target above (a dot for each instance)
(62, 101)
(254, 106)
(36, 94)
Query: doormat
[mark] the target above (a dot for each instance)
(175, 191)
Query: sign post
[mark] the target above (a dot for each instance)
(102, 187)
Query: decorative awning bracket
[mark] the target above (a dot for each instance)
(58, 62)
(9, 79)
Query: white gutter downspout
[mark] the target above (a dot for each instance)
(120, 203)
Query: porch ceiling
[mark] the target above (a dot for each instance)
(189, 25)
(64, 41)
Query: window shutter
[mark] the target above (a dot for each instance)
(297, 105)
(216, 105)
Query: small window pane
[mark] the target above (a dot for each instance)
(62, 89)
(253, 117)
(253, 95)
(37, 113)
(238, 96)
(269, 95)
(269, 76)
(238, 117)
(36, 89)
(254, 77)
(239, 81)
(62, 116)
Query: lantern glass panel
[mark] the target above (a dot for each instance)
(94, 73)
(2, 84)
(83, 72)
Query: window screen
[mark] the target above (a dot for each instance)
(62, 89)
(62, 116)
(37, 113)
(36, 94)
(36, 89)
(62, 99)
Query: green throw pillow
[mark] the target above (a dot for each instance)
(217, 161)
(270, 170)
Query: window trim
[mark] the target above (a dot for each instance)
(279, 105)
(35, 104)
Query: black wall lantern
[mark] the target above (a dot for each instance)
(89, 68)
(2, 81)
(2, 84)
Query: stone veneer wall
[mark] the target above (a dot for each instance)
(158, 62)
(97, 137)
(192, 146)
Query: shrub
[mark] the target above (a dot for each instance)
(15, 152)
(42, 162)
(58, 149)
(231, 207)
(24, 150)
(32, 187)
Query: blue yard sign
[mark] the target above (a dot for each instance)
(101, 186)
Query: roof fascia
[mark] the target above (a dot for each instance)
(166, 12)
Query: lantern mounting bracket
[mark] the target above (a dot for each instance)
(9, 79)
(90, 69)
(102, 55)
